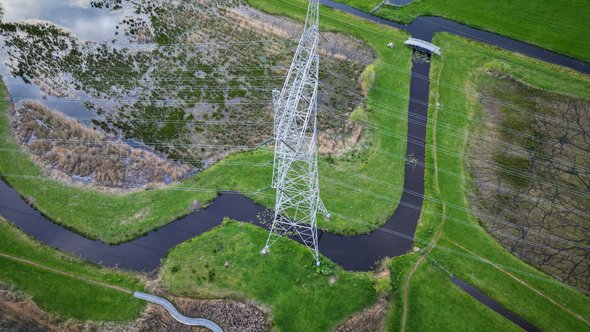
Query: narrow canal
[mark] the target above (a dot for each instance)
(358, 253)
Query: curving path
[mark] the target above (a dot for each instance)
(177, 315)
(353, 253)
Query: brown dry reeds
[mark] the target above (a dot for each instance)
(62, 144)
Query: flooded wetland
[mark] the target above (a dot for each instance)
(188, 81)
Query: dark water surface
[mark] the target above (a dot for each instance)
(358, 253)
(88, 24)
(355, 252)
(495, 305)
(426, 26)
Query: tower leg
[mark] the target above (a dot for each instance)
(295, 167)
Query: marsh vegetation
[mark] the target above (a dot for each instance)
(532, 177)
(69, 150)
(195, 79)
(103, 216)
(466, 249)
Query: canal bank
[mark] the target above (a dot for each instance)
(408, 225)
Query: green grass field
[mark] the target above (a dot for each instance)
(226, 262)
(458, 310)
(464, 62)
(62, 295)
(560, 26)
(118, 218)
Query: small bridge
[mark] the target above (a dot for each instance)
(423, 45)
(398, 3)
(177, 315)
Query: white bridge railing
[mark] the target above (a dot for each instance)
(424, 45)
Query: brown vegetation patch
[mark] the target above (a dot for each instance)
(330, 142)
(334, 45)
(229, 315)
(369, 320)
(20, 313)
(81, 154)
(530, 160)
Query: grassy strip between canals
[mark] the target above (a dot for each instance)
(63, 285)
(118, 218)
(226, 262)
(556, 25)
(531, 294)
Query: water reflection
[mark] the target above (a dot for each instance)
(77, 16)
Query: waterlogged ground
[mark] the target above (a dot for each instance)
(77, 17)
(69, 149)
(533, 178)
(191, 80)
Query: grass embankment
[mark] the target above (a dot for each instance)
(117, 218)
(63, 285)
(543, 301)
(226, 262)
(556, 25)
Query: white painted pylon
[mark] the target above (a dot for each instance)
(295, 171)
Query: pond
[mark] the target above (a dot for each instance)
(172, 75)
(76, 16)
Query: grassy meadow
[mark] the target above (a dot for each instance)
(464, 248)
(65, 296)
(225, 262)
(116, 218)
(559, 26)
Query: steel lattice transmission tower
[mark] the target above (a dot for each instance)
(295, 171)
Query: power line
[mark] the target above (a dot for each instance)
(380, 196)
(368, 125)
(410, 98)
(504, 170)
(463, 131)
(383, 229)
